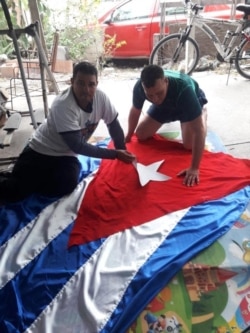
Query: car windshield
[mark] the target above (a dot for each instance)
(170, 11)
(176, 10)
(132, 10)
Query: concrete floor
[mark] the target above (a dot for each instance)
(228, 107)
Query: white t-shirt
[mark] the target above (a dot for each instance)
(66, 116)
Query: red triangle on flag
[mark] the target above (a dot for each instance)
(115, 200)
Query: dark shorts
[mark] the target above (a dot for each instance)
(202, 98)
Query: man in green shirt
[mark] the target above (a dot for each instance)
(174, 96)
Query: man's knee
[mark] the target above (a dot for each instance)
(147, 128)
(187, 145)
(141, 134)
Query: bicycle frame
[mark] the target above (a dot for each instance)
(202, 22)
(180, 50)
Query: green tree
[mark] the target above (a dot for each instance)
(78, 28)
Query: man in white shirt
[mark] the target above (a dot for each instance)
(49, 165)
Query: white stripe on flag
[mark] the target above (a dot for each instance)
(26, 244)
(88, 299)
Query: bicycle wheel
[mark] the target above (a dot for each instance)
(242, 59)
(171, 53)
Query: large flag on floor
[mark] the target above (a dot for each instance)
(115, 199)
(103, 285)
(100, 286)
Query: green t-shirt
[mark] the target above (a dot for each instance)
(183, 102)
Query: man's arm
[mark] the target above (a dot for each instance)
(117, 134)
(75, 141)
(77, 144)
(133, 120)
(197, 130)
(198, 143)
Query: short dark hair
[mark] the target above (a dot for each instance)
(86, 68)
(150, 74)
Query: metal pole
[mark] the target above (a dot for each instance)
(162, 19)
(42, 55)
(14, 38)
(43, 83)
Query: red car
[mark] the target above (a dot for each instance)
(135, 22)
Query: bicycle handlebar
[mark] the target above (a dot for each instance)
(194, 6)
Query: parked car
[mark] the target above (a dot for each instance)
(133, 24)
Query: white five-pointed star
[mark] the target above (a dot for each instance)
(149, 172)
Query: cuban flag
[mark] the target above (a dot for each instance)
(91, 261)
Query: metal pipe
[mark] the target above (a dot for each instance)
(14, 38)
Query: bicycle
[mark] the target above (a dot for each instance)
(180, 51)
